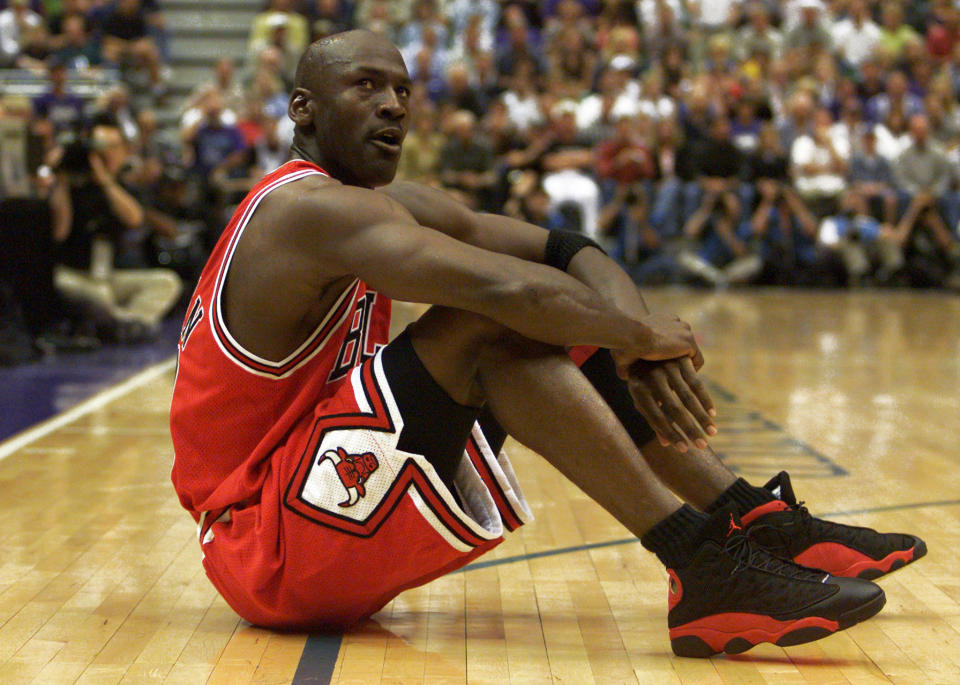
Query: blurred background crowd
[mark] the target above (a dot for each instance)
(706, 142)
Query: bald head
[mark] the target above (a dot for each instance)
(349, 47)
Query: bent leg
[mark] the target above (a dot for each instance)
(541, 398)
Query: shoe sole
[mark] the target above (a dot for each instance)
(705, 638)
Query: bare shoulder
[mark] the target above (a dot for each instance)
(320, 208)
(432, 207)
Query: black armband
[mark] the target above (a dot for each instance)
(563, 245)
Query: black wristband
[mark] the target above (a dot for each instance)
(562, 246)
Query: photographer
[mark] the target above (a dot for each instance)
(97, 214)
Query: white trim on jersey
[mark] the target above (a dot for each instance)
(222, 277)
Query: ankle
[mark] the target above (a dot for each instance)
(743, 495)
(674, 539)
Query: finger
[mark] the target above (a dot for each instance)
(691, 402)
(697, 357)
(673, 405)
(647, 405)
(699, 388)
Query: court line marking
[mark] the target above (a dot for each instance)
(101, 399)
(627, 541)
(318, 659)
(321, 651)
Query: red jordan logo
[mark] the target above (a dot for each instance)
(353, 470)
(733, 526)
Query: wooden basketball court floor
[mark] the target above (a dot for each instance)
(856, 394)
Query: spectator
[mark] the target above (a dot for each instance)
(328, 17)
(126, 41)
(567, 163)
(871, 177)
(460, 94)
(102, 211)
(21, 32)
(809, 34)
(62, 109)
(857, 36)
(422, 146)
(717, 251)
(279, 13)
(521, 99)
(759, 33)
(466, 161)
(896, 97)
(924, 174)
(895, 34)
(817, 166)
(424, 16)
(77, 50)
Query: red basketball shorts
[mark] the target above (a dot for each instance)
(346, 520)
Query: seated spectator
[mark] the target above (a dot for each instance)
(427, 63)
(759, 34)
(520, 44)
(115, 103)
(871, 178)
(856, 37)
(895, 34)
(279, 13)
(22, 32)
(521, 99)
(810, 33)
(571, 65)
(328, 17)
(714, 228)
(460, 93)
(892, 135)
(77, 49)
(424, 15)
(896, 97)
(625, 159)
(923, 175)
(126, 41)
(466, 161)
(63, 109)
(224, 81)
(131, 302)
(57, 16)
(472, 45)
(779, 211)
(817, 167)
(859, 240)
(420, 160)
(567, 161)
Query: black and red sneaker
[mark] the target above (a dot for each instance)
(734, 595)
(785, 528)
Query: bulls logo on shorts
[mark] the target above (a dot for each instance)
(353, 469)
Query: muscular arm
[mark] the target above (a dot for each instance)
(352, 231)
(434, 208)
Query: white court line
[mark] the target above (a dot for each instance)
(99, 400)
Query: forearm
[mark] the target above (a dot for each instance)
(127, 209)
(604, 276)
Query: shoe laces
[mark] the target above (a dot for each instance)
(749, 555)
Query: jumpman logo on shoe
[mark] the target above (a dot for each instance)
(733, 526)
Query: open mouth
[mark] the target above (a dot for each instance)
(389, 140)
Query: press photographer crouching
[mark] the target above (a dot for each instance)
(101, 218)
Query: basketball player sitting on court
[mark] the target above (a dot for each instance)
(329, 470)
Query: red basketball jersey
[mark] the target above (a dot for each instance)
(231, 408)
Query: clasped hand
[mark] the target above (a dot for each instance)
(664, 384)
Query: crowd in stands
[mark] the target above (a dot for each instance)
(709, 142)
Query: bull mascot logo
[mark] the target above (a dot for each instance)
(353, 469)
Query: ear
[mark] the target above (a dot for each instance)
(302, 108)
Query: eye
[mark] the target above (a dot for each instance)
(365, 83)
(403, 92)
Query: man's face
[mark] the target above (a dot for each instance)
(361, 114)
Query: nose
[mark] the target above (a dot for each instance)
(391, 107)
